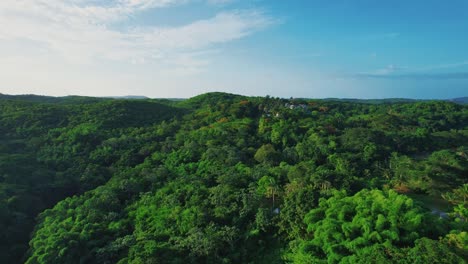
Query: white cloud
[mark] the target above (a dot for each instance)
(438, 70)
(444, 66)
(389, 69)
(82, 31)
(220, 2)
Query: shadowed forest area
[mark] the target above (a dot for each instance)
(223, 178)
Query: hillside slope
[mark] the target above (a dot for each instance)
(222, 178)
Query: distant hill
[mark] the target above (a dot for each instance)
(67, 99)
(71, 99)
(374, 101)
(29, 98)
(206, 98)
(460, 100)
(135, 97)
(210, 99)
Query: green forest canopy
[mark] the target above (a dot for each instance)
(222, 178)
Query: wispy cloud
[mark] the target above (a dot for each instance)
(82, 31)
(390, 69)
(444, 66)
(220, 2)
(417, 76)
(431, 72)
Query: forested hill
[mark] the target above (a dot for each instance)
(222, 178)
(461, 100)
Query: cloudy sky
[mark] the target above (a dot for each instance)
(181, 48)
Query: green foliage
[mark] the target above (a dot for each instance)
(267, 154)
(343, 226)
(222, 178)
(459, 198)
(431, 251)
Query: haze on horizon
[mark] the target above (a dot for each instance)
(182, 48)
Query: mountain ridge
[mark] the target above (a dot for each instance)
(46, 98)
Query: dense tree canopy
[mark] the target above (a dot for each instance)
(346, 228)
(221, 178)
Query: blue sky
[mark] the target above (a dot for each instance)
(181, 48)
